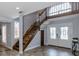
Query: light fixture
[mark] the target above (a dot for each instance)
(17, 8)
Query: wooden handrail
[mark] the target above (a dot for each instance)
(42, 12)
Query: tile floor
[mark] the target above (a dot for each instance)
(40, 51)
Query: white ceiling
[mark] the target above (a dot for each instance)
(8, 9)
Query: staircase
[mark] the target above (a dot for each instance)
(27, 37)
(30, 33)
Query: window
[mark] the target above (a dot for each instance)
(59, 9)
(64, 33)
(52, 32)
(4, 34)
(16, 29)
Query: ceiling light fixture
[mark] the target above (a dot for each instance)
(17, 8)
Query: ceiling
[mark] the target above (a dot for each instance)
(8, 9)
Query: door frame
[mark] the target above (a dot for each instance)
(42, 37)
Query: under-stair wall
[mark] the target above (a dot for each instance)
(35, 42)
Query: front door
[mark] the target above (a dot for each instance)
(60, 35)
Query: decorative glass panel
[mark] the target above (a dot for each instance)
(52, 32)
(64, 33)
(4, 32)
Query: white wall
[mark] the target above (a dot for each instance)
(8, 35)
(4, 19)
(35, 42)
(1, 34)
(74, 19)
(29, 20)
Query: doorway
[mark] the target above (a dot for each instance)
(42, 37)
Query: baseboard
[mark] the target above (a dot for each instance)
(59, 47)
